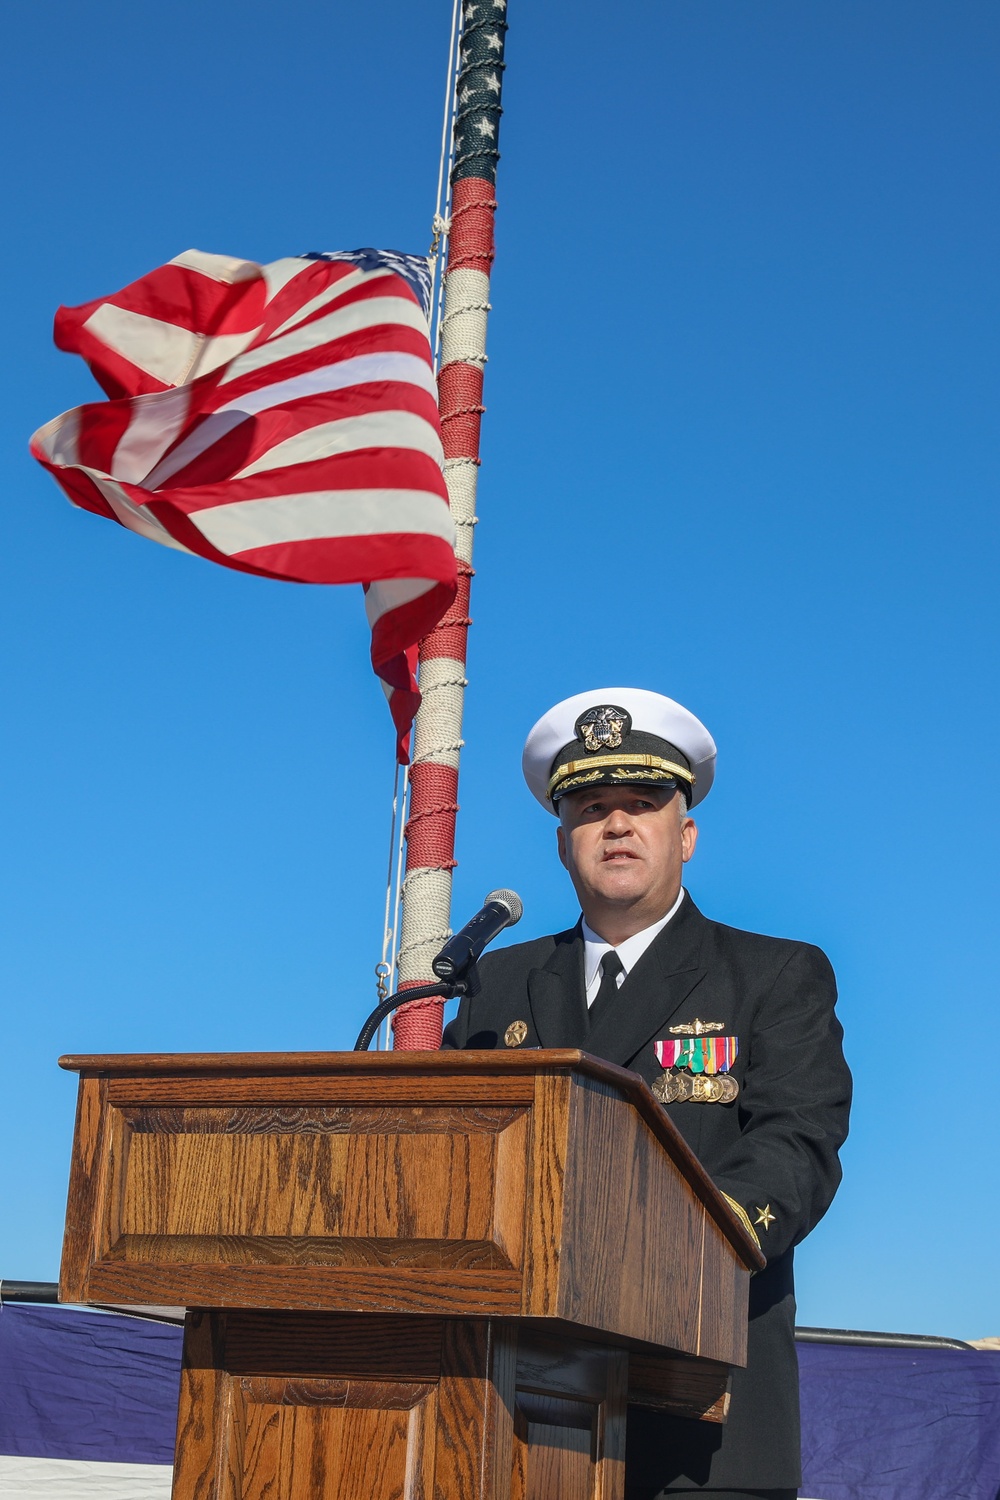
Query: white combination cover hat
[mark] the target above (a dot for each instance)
(618, 736)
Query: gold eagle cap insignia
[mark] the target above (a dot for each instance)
(603, 728)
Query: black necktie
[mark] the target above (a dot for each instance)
(611, 967)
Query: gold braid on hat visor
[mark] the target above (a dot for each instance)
(577, 773)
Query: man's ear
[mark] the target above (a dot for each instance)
(689, 839)
(561, 846)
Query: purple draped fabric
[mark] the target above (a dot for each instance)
(899, 1424)
(87, 1385)
(877, 1424)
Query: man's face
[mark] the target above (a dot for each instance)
(624, 848)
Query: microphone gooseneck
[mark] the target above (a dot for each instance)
(402, 997)
(455, 965)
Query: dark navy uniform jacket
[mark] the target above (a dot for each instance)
(774, 1147)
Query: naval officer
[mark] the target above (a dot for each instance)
(735, 1032)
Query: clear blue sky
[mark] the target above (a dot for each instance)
(740, 446)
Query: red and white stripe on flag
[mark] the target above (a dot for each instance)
(279, 419)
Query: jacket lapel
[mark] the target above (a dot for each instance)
(556, 997)
(661, 981)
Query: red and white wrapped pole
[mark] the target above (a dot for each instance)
(437, 739)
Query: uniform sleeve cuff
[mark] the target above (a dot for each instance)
(743, 1217)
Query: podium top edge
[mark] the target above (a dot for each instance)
(225, 1064)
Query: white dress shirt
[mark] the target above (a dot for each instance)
(629, 952)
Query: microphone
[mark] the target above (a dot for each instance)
(500, 909)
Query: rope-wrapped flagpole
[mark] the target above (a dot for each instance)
(437, 741)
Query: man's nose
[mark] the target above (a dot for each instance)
(618, 824)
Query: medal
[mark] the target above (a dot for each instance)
(676, 1088)
(697, 1065)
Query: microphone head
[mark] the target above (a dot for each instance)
(511, 900)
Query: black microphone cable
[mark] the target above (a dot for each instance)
(402, 997)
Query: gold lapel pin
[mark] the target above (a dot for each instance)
(515, 1033)
(697, 1028)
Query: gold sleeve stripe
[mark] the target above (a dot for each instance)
(743, 1217)
(603, 762)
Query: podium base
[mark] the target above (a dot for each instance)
(301, 1406)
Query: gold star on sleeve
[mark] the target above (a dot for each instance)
(764, 1216)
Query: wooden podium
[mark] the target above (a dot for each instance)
(411, 1276)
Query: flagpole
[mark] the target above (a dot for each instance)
(437, 738)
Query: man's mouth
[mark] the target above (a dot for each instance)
(617, 854)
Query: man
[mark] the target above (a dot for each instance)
(736, 1033)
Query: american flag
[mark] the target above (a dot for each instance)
(279, 419)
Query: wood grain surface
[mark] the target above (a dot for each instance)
(693, 1388)
(293, 1407)
(323, 1120)
(429, 1274)
(724, 1296)
(338, 1440)
(476, 1399)
(633, 1231)
(396, 1076)
(87, 1190)
(364, 1346)
(563, 1202)
(402, 1185)
(307, 1409)
(569, 1420)
(448, 1292)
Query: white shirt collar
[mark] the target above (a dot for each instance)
(630, 951)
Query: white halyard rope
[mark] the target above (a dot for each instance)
(440, 229)
(441, 223)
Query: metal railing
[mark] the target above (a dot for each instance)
(863, 1338)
